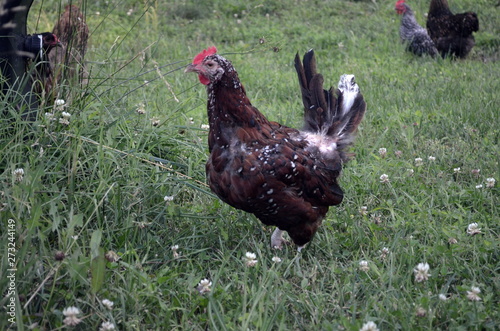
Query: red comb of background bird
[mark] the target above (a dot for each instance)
(203, 54)
(399, 6)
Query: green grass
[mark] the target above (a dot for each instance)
(97, 184)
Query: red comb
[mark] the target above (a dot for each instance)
(400, 9)
(203, 54)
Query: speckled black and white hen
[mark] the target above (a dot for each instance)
(415, 37)
(284, 176)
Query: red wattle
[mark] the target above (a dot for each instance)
(204, 80)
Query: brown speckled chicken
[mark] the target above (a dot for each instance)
(67, 60)
(284, 176)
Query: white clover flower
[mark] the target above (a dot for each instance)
(452, 241)
(377, 219)
(75, 237)
(476, 171)
(410, 172)
(384, 178)
(382, 152)
(490, 182)
(59, 102)
(141, 109)
(65, 116)
(418, 162)
(249, 255)
(168, 198)
(363, 210)
(442, 297)
(479, 186)
(432, 158)
(191, 120)
(155, 121)
(473, 294)
(111, 256)
(107, 326)
(421, 272)
(398, 153)
(49, 116)
(369, 326)
(204, 286)
(71, 318)
(363, 265)
(108, 303)
(18, 174)
(250, 259)
(63, 121)
(71, 311)
(142, 224)
(421, 312)
(174, 249)
(456, 170)
(473, 229)
(384, 252)
(205, 126)
(276, 259)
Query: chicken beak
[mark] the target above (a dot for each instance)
(57, 42)
(191, 68)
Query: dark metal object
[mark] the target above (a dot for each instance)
(16, 82)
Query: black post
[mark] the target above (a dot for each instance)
(16, 83)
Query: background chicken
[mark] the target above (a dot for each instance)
(37, 45)
(286, 177)
(67, 61)
(37, 48)
(415, 37)
(452, 34)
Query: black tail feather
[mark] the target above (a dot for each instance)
(335, 112)
(319, 104)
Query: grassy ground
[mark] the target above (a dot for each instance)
(97, 186)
